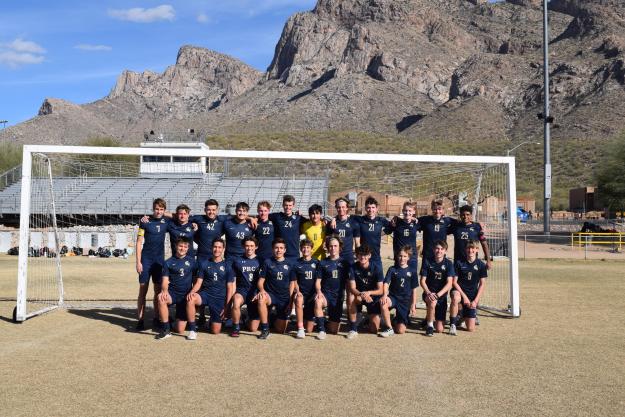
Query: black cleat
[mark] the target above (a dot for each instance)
(140, 326)
(429, 331)
(264, 334)
(163, 335)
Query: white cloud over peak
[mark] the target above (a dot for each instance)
(202, 18)
(21, 52)
(94, 48)
(141, 15)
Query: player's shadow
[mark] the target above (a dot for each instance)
(122, 317)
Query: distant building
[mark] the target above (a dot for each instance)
(584, 199)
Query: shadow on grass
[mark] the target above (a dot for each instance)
(122, 317)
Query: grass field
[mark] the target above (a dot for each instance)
(565, 356)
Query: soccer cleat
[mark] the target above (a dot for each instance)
(301, 333)
(140, 326)
(352, 334)
(235, 333)
(192, 335)
(321, 336)
(452, 330)
(163, 335)
(388, 332)
(264, 334)
(429, 331)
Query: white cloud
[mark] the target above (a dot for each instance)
(20, 45)
(141, 15)
(87, 47)
(14, 59)
(202, 18)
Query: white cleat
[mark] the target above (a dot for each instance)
(301, 333)
(321, 336)
(387, 333)
(452, 330)
(192, 335)
(352, 334)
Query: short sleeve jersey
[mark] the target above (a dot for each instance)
(278, 276)
(176, 231)
(265, 234)
(346, 230)
(469, 276)
(306, 274)
(180, 273)
(433, 230)
(463, 233)
(401, 282)
(153, 233)
(370, 232)
(436, 273)
(405, 234)
(316, 234)
(246, 272)
(215, 277)
(366, 279)
(235, 233)
(333, 275)
(288, 228)
(207, 231)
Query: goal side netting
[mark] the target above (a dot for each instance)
(79, 208)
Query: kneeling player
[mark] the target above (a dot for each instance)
(468, 287)
(436, 280)
(213, 288)
(276, 285)
(245, 270)
(366, 286)
(400, 292)
(176, 284)
(305, 270)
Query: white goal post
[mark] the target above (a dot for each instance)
(406, 167)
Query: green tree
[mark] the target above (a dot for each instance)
(610, 175)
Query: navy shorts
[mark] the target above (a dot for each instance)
(180, 301)
(402, 310)
(374, 306)
(309, 307)
(334, 308)
(440, 312)
(152, 269)
(248, 295)
(215, 305)
(281, 305)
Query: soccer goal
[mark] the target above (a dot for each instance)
(79, 207)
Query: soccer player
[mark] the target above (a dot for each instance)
(330, 287)
(370, 229)
(287, 227)
(400, 292)
(177, 282)
(345, 227)
(213, 288)
(468, 287)
(466, 231)
(305, 270)
(264, 232)
(210, 226)
(245, 270)
(276, 285)
(237, 229)
(435, 227)
(315, 231)
(437, 274)
(182, 227)
(405, 232)
(150, 253)
(366, 287)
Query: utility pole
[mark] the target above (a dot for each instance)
(547, 120)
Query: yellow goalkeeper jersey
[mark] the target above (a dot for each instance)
(316, 234)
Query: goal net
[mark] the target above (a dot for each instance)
(79, 208)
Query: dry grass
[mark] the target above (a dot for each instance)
(563, 357)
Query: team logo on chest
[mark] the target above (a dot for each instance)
(475, 267)
(186, 263)
(222, 269)
(313, 266)
(408, 274)
(443, 268)
(285, 267)
(188, 229)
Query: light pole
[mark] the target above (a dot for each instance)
(508, 151)
(4, 123)
(547, 120)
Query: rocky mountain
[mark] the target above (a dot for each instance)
(428, 69)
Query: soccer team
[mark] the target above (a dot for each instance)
(285, 262)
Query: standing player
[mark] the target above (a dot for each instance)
(237, 229)
(264, 232)
(466, 231)
(437, 274)
(370, 229)
(345, 227)
(366, 287)
(400, 292)
(182, 227)
(435, 228)
(305, 270)
(287, 227)
(214, 288)
(150, 253)
(330, 288)
(245, 270)
(276, 285)
(468, 287)
(177, 282)
(210, 226)
(405, 233)
(314, 230)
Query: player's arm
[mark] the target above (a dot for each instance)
(486, 250)
(352, 287)
(261, 287)
(139, 249)
(384, 299)
(387, 227)
(463, 296)
(428, 294)
(379, 290)
(480, 290)
(413, 301)
(146, 218)
(196, 286)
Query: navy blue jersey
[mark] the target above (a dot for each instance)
(469, 275)
(288, 228)
(367, 279)
(235, 233)
(401, 282)
(278, 275)
(306, 274)
(215, 276)
(177, 230)
(180, 272)
(265, 234)
(370, 231)
(405, 234)
(207, 231)
(246, 272)
(333, 275)
(153, 233)
(434, 230)
(437, 273)
(346, 230)
(462, 234)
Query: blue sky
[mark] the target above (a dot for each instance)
(75, 50)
